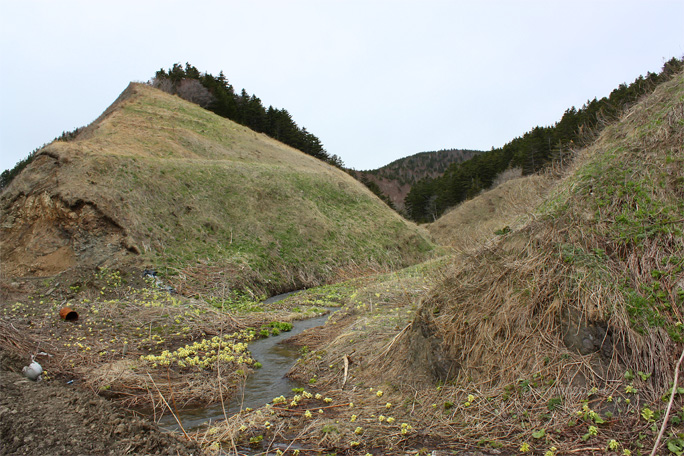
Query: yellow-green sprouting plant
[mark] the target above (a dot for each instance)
(111, 278)
(279, 400)
(405, 428)
(588, 414)
(648, 414)
(204, 354)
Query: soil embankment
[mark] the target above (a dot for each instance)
(50, 418)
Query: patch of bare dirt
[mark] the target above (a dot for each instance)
(51, 418)
(44, 235)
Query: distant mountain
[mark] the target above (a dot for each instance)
(394, 180)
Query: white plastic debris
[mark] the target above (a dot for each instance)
(33, 371)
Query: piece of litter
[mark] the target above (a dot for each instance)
(33, 371)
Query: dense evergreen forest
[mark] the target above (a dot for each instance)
(393, 181)
(216, 94)
(411, 169)
(532, 152)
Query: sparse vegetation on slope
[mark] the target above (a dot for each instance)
(590, 289)
(217, 94)
(497, 211)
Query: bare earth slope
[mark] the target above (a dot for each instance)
(161, 182)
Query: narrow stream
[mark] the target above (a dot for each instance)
(262, 385)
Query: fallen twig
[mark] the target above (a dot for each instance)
(669, 405)
(346, 370)
(169, 407)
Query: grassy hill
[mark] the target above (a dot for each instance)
(395, 179)
(505, 207)
(576, 302)
(603, 255)
(558, 335)
(160, 182)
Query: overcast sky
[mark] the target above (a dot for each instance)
(374, 80)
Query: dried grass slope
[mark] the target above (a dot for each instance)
(593, 284)
(158, 181)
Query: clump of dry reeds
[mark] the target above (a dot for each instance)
(609, 232)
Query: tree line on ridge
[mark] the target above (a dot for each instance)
(533, 151)
(216, 94)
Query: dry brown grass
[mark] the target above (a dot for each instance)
(159, 181)
(484, 355)
(587, 264)
(471, 224)
(507, 300)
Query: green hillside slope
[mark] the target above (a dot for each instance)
(604, 254)
(158, 181)
(470, 224)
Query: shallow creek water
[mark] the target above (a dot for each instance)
(262, 385)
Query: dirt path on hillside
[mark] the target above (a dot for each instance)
(49, 418)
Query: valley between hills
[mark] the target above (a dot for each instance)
(541, 316)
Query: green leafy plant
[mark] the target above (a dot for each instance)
(647, 414)
(539, 434)
(554, 403)
(676, 446)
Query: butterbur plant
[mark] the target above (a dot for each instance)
(593, 432)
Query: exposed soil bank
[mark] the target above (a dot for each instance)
(50, 418)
